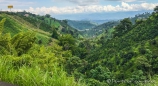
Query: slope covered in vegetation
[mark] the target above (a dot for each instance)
(126, 55)
(24, 62)
(130, 57)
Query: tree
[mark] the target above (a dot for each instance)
(65, 21)
(47, 15)
(42, 18)
(100, 73)
(67, 41)
(72, 64)
(139, 21)
(55, 34)
(156, 9)
(124, 26)
(22, 42)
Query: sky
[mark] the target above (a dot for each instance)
(75, 7)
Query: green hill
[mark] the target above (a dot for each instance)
(130, 57)
(34, 56)
(45, 26)
(14, 24)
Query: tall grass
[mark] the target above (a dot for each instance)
(33, 75)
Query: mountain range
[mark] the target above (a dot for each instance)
(99, 16)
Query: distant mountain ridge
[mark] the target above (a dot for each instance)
(100, 16)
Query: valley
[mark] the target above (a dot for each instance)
(39, 50)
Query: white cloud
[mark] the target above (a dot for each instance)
(123, 0)
(80, 2)
(15, 3)
(92, 8)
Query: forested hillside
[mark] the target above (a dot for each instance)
(81, 25)
(42, 51)
(129, 58)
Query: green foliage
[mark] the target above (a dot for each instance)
(32, 64)
(72, 64)
(55, 34)
(47, 15)
(100, 73)
(94, 82)
(67, 41)
(2, 25)
(5, 44)
(66, 29)
(143, 16)
(156, 9)
(124, 26)
(22, 42)
(129, 54)
(33, 75)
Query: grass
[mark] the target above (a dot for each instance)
(33, 75)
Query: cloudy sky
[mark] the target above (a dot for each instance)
(61, 7)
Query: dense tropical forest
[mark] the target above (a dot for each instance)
(43, 51)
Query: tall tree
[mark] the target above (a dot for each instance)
(47, 15)
(156, 9)
(55, 34)
(67, 41)
(124, 26)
